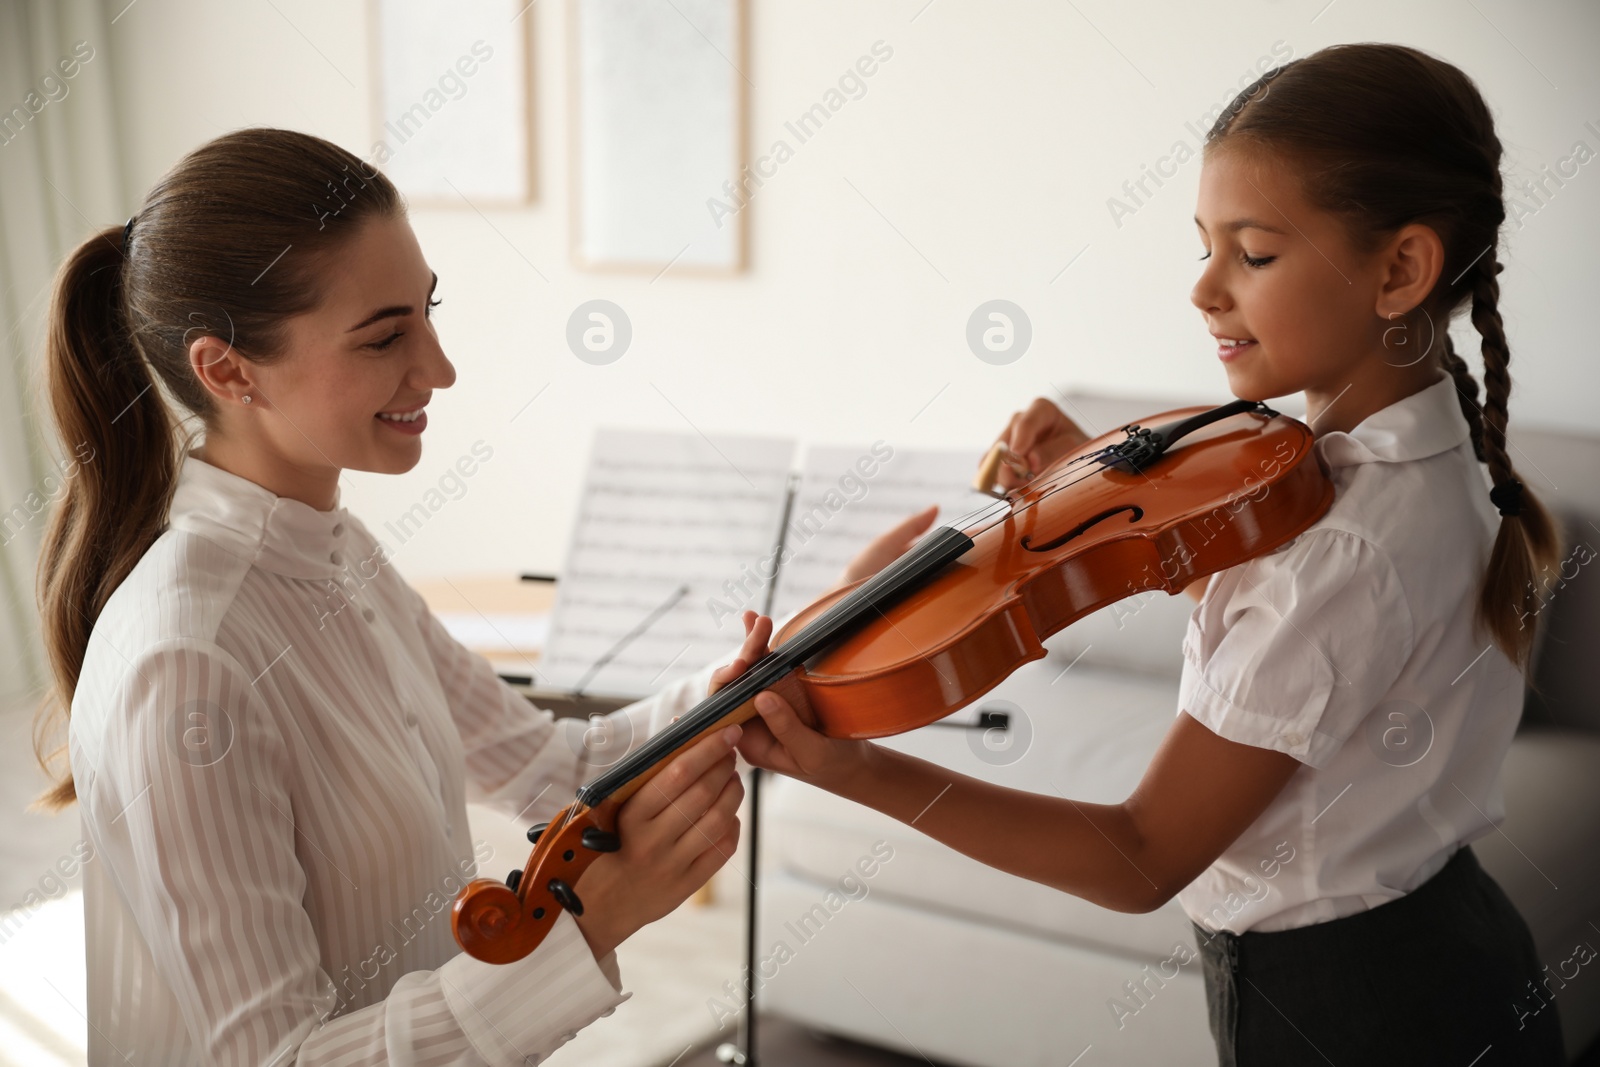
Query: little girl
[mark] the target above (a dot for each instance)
(1349, 203)
(272, 739)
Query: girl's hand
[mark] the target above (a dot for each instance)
(889, 545)
(1040, 434)
(785, 738)
(676, 831)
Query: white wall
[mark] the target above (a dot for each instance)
(992, 141)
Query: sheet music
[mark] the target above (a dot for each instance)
(847, 496)
(669, 522)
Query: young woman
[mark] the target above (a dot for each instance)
(1349, 203)
(271, 739)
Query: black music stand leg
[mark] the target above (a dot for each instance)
(744, 1052)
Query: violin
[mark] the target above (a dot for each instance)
(1138, 508)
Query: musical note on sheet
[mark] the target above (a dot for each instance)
(848, 496)
(661, 511)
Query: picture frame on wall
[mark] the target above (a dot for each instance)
(657, 109)
(452, 101)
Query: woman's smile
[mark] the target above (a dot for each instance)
(410, 421)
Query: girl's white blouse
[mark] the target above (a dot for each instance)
(1353, 649)
(274, 741)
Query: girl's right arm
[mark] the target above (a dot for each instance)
(1041, 434)
(1198, 794)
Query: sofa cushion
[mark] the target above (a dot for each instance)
(1563, 674)
(1082, 732)
(1546, 856)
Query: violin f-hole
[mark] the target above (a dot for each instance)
(1056, 542)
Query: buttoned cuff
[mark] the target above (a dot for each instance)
(517, 1013)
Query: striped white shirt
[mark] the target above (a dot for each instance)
(274, 741)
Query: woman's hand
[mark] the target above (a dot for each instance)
(756, 633)
(889, 545)
(785, 737)
(1040, 434)
(676, 831)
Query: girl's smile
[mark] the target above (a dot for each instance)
(1293, 304)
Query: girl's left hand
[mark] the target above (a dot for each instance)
(785, 737)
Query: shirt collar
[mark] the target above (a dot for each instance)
(1423, 424)
(276, 533)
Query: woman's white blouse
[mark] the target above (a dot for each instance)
(1353, 649)
(274, 741)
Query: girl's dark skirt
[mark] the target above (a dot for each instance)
(1446, 974)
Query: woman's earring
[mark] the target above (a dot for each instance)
(247, 398)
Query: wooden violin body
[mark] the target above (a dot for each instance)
(1140, 508)
(1066, 546)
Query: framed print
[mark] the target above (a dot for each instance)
(453, 101)
(657, 96)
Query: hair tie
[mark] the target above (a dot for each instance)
(1507, 497)
(127, 233)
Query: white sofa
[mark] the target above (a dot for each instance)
(935, 955)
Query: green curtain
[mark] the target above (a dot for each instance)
(60, 179)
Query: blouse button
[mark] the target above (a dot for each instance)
(1293, 739)
(368, 614)
(338, 528)
(411, 718)
(335, 557)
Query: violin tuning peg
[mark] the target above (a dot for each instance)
(598, 840)
(535, 831)
(514, 879)
(565, 896)
(989, 469)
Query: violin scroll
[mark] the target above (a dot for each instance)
(501, 923)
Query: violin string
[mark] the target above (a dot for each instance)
(1100, 452)
(1092, 455)
(1059, 485)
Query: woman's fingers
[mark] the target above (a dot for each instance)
(757, 631)
(690, 804)
(708, 828)
(680, 775)
(711, 860)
